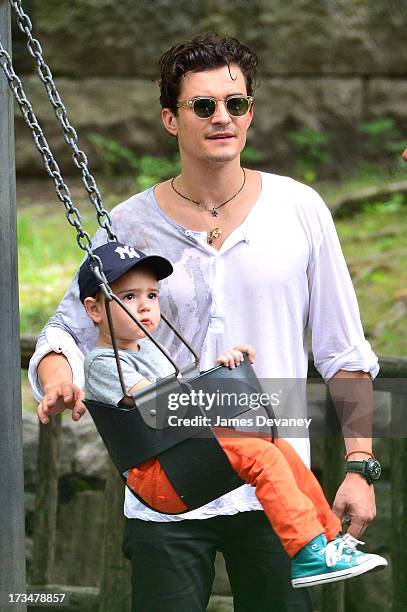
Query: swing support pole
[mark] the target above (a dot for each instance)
(12, 539)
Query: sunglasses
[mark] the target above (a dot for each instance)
(204, 107)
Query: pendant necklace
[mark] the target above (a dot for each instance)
(216, 231)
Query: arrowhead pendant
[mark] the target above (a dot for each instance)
(213, 234)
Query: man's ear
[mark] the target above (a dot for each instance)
(250, 116)
(94, 309)
(169, 120)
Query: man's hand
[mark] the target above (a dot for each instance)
(61, 397)
(355, 498)
(352, 393)
(60, 393)
(405, 155)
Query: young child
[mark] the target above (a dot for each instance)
(288, 491)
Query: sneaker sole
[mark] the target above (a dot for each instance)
(376, 564)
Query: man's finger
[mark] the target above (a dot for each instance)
(67, 395)
(51, 398)
(356, 527)
(339, 508)
(42, 414)
(79, 408)
(54, 399)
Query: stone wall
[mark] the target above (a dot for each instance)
(326, 65)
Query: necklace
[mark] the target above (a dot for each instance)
(214, 211)
(214, 233)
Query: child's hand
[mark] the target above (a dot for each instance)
(234, 357)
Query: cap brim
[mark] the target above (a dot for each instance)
(161, 266)
(89, 286)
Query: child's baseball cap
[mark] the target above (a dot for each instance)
(118, 258)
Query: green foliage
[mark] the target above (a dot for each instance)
(152, 170)
(378, 127)
(115, 158)
(251, 156)
(312, 152)
(381, 137)
(147, 169)
(373, 242)
(381, 140)
(48, 257)
(392, 205)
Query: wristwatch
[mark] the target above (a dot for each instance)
(370, 469)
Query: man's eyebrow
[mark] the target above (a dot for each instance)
(214, 97)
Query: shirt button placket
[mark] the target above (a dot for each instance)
(216, 322)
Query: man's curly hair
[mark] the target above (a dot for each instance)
(203, 53)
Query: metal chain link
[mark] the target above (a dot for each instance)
(72, 213)
(69, 133)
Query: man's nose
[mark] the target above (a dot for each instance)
(221, 115)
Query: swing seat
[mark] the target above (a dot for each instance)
(190, 454)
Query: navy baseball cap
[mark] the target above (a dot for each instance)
(118, 258)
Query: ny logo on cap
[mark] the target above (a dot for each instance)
(127, 250)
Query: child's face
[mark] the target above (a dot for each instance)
(138, 290)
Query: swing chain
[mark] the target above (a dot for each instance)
(51, 165)
(69, 133)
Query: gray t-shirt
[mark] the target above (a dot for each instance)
(102, 381)
(279, 273)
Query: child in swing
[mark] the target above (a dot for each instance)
(288, 491)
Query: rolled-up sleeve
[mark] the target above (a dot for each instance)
(69, 332)
(338, 341)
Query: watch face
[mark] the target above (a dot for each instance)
(374, 469)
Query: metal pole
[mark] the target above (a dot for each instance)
(12, 540)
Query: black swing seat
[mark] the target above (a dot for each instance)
(188, 451)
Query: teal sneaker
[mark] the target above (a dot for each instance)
(319, 562)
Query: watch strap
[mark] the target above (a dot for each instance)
(359, 467)
(356, 466)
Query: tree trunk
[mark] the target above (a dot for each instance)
(115, 591)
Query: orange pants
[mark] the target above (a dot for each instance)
(288, 491)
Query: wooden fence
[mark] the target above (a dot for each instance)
(115, 585)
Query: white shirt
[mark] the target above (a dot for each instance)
(278, 274)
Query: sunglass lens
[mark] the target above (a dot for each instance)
(237, 106)
(204, 107)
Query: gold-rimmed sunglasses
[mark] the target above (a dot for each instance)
(204, 107)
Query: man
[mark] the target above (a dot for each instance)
(229, 232)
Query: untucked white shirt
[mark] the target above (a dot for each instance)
(278, 274)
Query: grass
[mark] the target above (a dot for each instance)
(373, 242)
(48, 257)
(366, 175)
(48, 252)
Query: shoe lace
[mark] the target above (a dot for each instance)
(334, 549)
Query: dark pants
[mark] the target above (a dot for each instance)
(173, 565)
